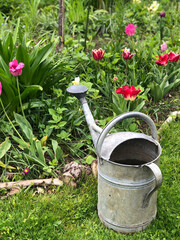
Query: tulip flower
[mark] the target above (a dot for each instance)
(126, 54)
(130, 29)
(115, 79)
(172, 57)
(162, 14)
(15, 68)
(0, 88)
(98, 54)
(26, 170)
(129, 93)
(163, 47)
(163, 60)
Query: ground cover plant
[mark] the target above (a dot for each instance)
(67, 213)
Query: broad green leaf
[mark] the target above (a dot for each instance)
(30, 90)
(22, 143)
(89, 159)
(4, 147)
(40, 151)
(156, 91)
(24, 125)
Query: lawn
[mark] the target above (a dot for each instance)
(71, 213)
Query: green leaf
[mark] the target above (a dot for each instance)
(16, 31)
(30, 90)
(24, 125)
(22, 143)
(156, 91)
(4, 147)
(57, 150)
(40, 151)
(89, 159)
(139, 107)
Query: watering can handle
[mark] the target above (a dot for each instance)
(120, 118)
(158, 181)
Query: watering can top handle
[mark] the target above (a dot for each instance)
(120, 118)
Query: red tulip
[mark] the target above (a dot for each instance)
(15, 68)
(0, 88)
(172, 57)
(98, 54)
(163, 60)
(126, 54)
(129, 93)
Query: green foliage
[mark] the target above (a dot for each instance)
(162, 83)
(38, 68)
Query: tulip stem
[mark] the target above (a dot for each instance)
(10, 121)
(126, 71)
(20, 98)
(161, 30)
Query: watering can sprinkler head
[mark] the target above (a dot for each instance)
(79, 91)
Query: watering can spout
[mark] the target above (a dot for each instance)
(79, 91)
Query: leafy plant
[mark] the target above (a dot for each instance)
(162, 83)
(33, 150)
(38, 69)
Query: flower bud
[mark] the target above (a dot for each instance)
(162, 14)
(163, 47)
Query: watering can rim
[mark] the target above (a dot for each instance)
(126, 137)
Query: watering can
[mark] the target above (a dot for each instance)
(128, 172)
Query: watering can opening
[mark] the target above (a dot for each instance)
(135, 152)
(130, 149)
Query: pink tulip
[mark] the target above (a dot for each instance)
(163, 47)
(130, 29)
(115, 79)
(15, 68)
(0, 88)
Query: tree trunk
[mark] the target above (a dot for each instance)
(61, 24)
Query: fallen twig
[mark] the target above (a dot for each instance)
(35, 182)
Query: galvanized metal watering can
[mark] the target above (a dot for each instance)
(128, 172)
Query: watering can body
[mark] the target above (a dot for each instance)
(128, 172)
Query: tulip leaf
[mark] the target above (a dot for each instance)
(156, 91)
(31, 89)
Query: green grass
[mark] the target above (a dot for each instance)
(72, 213)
